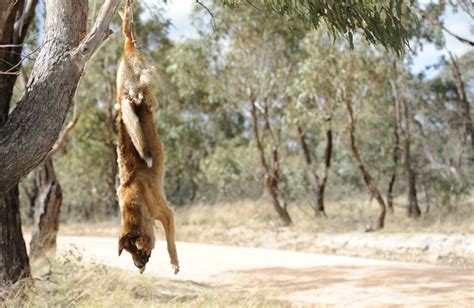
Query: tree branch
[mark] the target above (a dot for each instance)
(22, 24)
(35, 124)
(99, 32)
(436, 23)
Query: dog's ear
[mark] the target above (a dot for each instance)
(127, 242)
(121, 245)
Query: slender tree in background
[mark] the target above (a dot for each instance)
(404, 119)
(314, 89)
(272, 168)
(111, 207)
(318, 184)
(395, 158)
(256, 69)
(413, 208)
(465, 104)
(368, 180)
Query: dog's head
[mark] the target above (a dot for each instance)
(139, 246)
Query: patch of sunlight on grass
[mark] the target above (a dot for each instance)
(70, 282)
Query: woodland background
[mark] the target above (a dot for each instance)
(268, 122)
(413, 134)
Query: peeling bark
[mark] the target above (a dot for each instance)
(47, 199)
(47, 207)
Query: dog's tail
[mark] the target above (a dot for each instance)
(134, 129)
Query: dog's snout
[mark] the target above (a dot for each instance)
(140, 263)
(140, 260)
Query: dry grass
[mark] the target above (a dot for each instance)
(69, 282)
(255, 224)
(346, 216)
(351, 215)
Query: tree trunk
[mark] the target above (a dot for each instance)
(369, 182)
(318, 185)
(278, 200)
(46, 197)
(396, 158)
(47, 207)
(313, 177)
(413, 208)
(14, 263)
(15, 19)
(29, 132)
(112, 205)
(271, 173)
(327, 165)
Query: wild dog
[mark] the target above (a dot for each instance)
(140, 158)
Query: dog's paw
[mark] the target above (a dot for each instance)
(175, 268)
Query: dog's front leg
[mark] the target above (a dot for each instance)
(166, 218)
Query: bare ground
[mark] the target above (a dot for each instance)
(295, 276)
(438, 237)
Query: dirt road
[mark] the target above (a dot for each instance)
(295, 276)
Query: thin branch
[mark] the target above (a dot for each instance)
(25, 20)
(99, 32)
(213, 21)
(437, 23)
(11, 70)
(10, 45)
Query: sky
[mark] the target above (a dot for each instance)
(460, 23)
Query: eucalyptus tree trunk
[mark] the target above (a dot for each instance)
(28, 133)
(368, 180)
(413, 208)
(395, 158)
(14, 263)
(318, 185)
(272, 172)
(112, 205)
(15, 19)
(46, 197)
(47, 205)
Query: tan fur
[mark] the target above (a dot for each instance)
(140, 158)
